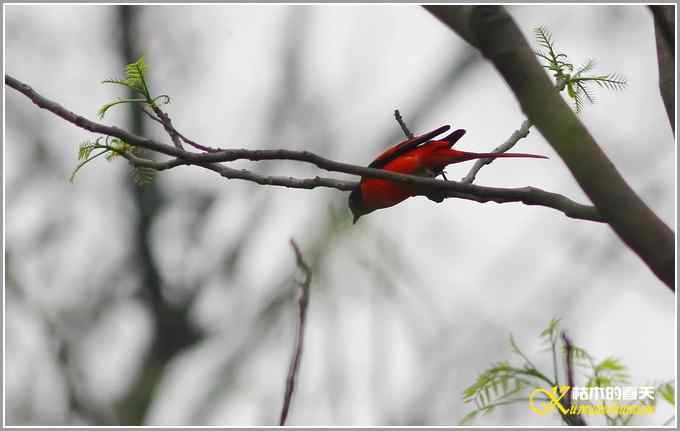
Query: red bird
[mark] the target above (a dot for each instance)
(416, 156)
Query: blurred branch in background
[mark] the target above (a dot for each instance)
(173, 332)
(664, 29)
(65, 335)
(303, 301)
(493, 31)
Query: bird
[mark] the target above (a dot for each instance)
(420, 156)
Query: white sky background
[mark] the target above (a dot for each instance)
(379, 351)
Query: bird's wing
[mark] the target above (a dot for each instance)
(401, 148)
(454, 136)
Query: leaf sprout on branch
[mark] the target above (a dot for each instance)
(577, 81)
(111, 148)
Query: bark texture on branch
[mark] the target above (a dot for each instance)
(664, 31)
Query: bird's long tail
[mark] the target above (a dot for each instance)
(470, 156)
(450, 156)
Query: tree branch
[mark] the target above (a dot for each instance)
(573, 420)
(404, 128)
(518, 134)
(303, 301)
(493, 31)
(664, 25)
(423, 186)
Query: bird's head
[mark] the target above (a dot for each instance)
(356, 204)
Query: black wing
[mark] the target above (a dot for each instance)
(401, 148)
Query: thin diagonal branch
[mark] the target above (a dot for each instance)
(167, 125)
(404, 128)
(303, 301)
(422, 185)
(574, 420)
(518, 134)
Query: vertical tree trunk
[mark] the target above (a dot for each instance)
(172, 331)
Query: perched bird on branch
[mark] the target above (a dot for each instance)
(416, 156)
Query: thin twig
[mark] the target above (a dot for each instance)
(518, 134)
(574, 420)
(303, 301)
(407, 132)
(176, 136)
(423, 186)
(167, 125)
(150, 115)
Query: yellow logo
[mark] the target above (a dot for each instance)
(555, 395)
(543, 401)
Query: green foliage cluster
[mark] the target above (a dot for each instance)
(111, 148)
(577, 80)
(504, 383)
(134, 80)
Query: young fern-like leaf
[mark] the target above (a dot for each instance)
(590, 65)
(469, 417)
(544, 38)
(164, 99)
(574, 80)
(104, 109)
(85, 161)
(135, 71)
(85, 155)
(550, 331)
(143, 175)
(134, 78)
(667, 392)
(118, 147)
(86, 149)
(613, 81)
(587, 92)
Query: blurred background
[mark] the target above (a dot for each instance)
(174, 303)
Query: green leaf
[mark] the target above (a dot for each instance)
(551, 330)
(667, 392)
(134, 78)
(612, 81)
(610, 364)
(143, 175)
(583, 89)
(590, 64)
(544, 37)
(118, 147)
(84, 162)
(104, 109)
(85, 150)
(468, 417)
(574, 82)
